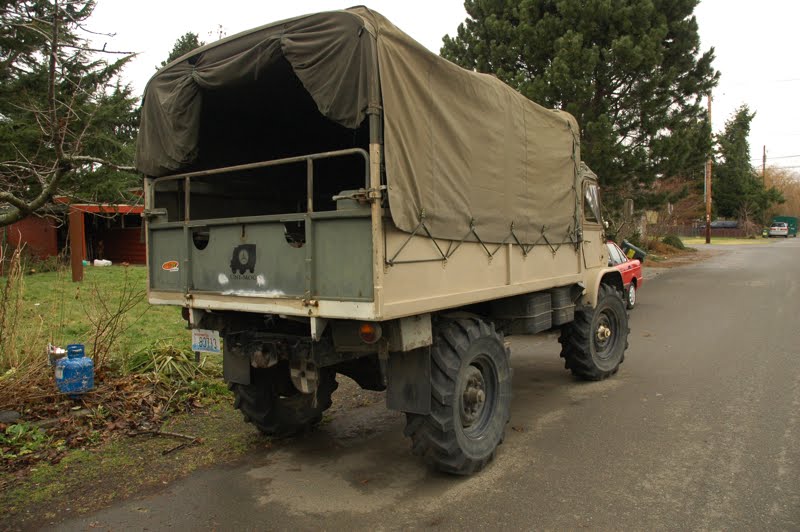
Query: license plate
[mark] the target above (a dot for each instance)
(205, 341)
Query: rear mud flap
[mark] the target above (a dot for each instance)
(408, 387)
(235, 365)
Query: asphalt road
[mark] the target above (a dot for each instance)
(699, 430)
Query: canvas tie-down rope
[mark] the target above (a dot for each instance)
(454, 245)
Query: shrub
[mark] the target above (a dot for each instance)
(674, 241)
(32, 263)
(636, 239)
(166, 361)
(21, 439)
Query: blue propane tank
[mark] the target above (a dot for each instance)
(75, 372)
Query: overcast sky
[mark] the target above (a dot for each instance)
(756, 48)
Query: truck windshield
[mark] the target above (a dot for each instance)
(591, 202)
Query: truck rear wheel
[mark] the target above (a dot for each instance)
(276, 407)
(593, 345)
(470, 398)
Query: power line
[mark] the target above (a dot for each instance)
(778, 157)
(732, 84)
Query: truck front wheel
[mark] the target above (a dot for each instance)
(470, 398)
(593, 345)
(276, 407)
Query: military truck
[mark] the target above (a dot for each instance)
(325, 196)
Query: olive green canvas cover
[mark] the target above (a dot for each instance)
(463, 151)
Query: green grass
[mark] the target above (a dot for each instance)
(726, 240)
(54, 309)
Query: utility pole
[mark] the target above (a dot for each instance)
(764, 166)
(708, 184)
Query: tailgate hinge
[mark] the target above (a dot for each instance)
(152, 213)
(363, 194)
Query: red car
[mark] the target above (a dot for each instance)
(631, 270)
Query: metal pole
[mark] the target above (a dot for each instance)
(764, 166)
(708, 184)
(375, 113)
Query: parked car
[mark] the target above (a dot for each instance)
(631, 270)
(720, 224)
(779, 229)
(790, 221)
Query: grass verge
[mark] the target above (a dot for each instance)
(145, 371)
(53, 309)
(725, 240)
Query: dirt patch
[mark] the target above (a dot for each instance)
(50, 423)
(87, 479)
(677, 257)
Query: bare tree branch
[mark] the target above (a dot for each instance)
(20, 208)
(98, 50)
(90, 159)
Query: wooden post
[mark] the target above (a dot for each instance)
(76, 243)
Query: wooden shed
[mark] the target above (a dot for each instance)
(39, 234)
(106, 231)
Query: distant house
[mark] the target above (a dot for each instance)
(111, 232)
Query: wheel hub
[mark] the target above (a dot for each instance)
(304, 374)
(603, 333)
(473, 397)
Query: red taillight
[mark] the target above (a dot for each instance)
(369, 332)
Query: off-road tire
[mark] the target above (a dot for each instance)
(275, 407)
(585, 354)
(461, 433)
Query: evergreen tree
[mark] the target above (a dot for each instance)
(185, 44)
(738, 191)
(630, 71)
(67, 123)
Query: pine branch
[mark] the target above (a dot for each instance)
(51, 88)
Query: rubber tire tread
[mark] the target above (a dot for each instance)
(576, 338)
(273, 415)
(628, 297)
(433, 436)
